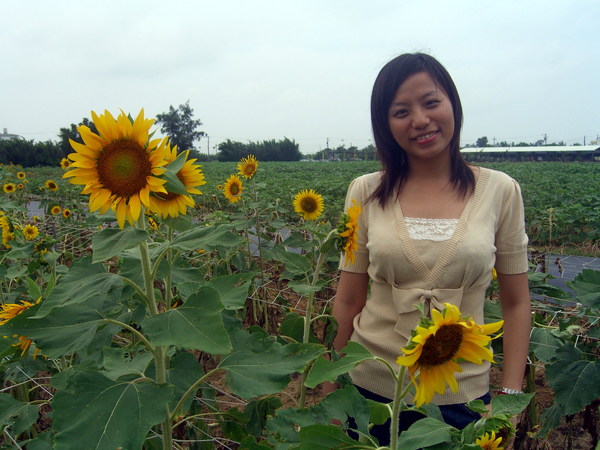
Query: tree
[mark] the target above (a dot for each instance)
(71, 133)
(482, 141)
(180, 126)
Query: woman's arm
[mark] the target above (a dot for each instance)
(350, 299)
(516, 311)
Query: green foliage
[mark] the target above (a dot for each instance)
(179, 124)
(283, 150)
(30, 153)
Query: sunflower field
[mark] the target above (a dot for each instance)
(150, 302)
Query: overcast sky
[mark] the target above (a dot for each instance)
(256, 70)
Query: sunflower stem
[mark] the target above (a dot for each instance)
(159, 352)
(168, 279)
(398, 398)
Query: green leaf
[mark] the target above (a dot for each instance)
(16, 415)
(543, 344)
(94, 412)
(325, 437)
(510, 404)
(111, 241)
(340, 405)
(260, 366)
(33, 288)
(325, 370)
(574, 379)
(249, 443)
(206, 238)
(304, 288)
(587, 286)
(258, 411)
(293, 326)
(197, 324)
(177, 164)
(61, 332)
(83, 282)
(423, 433)
(173, 184)
(183, 372)
(233, 288)
(295, 264)
(180, 223)
(118, 363)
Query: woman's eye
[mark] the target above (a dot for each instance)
(432, 103)
(400, 113)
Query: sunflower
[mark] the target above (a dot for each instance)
(219, 187)
(21, 175)
(11, 310)
(308, 204)
(436, 345)
(347, 231)
(55, 210)
(248, 166)
(66, 213)
(65, 163)
(30, 232)
(9, 188)
(51, 185)
(20, 186)
(119, 167)
(489, 441)
(173, 204)
(233, 189)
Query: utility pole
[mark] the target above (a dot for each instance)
(208, 146)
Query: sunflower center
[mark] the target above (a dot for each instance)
(441, 347)
(123, 167)
(250, 169)
(309, 205)
(234, 189)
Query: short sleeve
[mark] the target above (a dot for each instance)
(359, 192)
(511, 239)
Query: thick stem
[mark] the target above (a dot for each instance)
(159, 351)
(398, 398)
(168, 279)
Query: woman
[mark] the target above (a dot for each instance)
(432, 228)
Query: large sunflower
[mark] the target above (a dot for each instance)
(489, 441)
(308, 204)
(248, 166)
(348, 232)
(119, 167)
(173, 204)
(437, 344)
(233, 189)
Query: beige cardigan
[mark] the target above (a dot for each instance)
(490, 233)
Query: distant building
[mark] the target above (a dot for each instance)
(533, 153)
(6, 136)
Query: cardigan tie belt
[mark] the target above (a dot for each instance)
(405, 301)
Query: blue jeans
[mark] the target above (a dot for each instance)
(457, 415)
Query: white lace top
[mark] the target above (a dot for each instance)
(438, 230)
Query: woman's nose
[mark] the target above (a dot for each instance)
(420, 119)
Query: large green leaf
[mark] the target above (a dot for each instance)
(510, 404)
(423, 433)
(62, 332)
(15, 415)
(173, 184)
(111, 241)
(233, 288)
(340, 404)
(197, 324)
(295, 265)
(94, 412)
(260, 366)
(258, 411)
(325, 437)
(183, 372)
(543, 344)
(206, 238)
(85, 281)
(574, 379)
(325, 370)
(118, 363)
(587, 286)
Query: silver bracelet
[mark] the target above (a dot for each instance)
(506, 390)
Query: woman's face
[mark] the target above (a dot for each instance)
(421, 118)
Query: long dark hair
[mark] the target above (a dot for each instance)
(393, 157)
